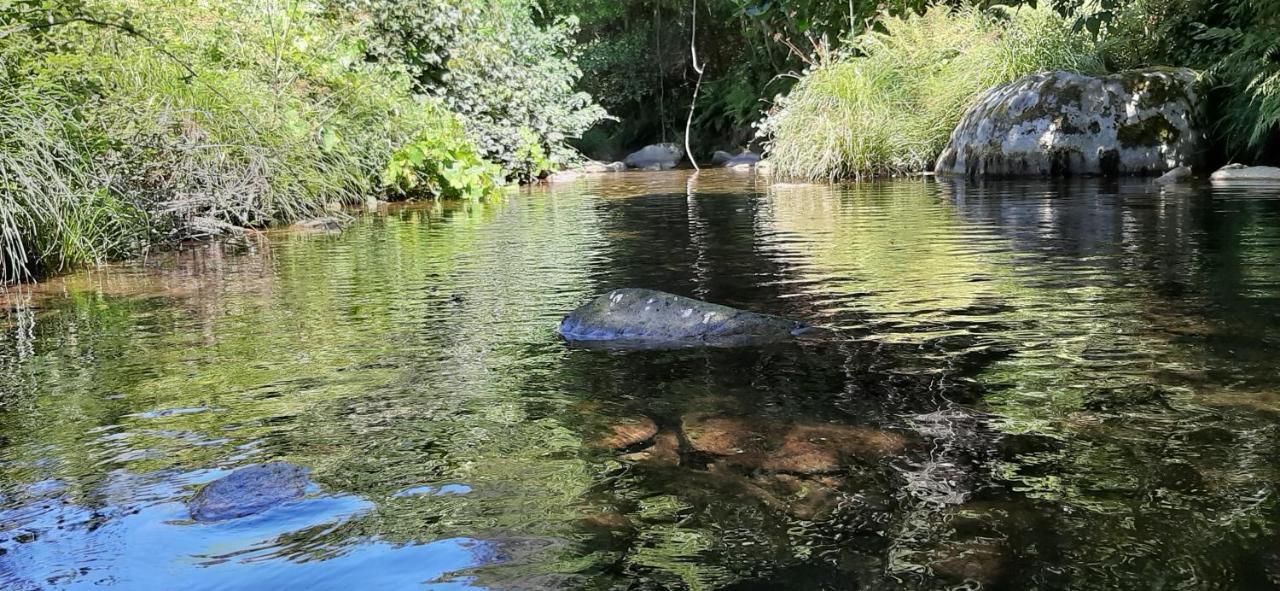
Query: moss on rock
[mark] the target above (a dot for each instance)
(1065, 124)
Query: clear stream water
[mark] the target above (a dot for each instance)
(1081, 378)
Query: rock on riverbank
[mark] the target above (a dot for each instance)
(1240, 172)
(656, 157)
(1065, 124)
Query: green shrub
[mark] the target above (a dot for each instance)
(888, 104)
(1246, 45)
(442, 165)
(510, 79)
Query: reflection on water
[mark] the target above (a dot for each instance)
(1053, 385)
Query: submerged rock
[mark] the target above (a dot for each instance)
(564, 176)
(646, 318)
(821, 448)
(804, 498)
(665, 451)
(721, 436)
(320, 225)
(249, 490)
(1240, 172)
(630, 432)
(656, 157)
(1064, 124)
(978, 561)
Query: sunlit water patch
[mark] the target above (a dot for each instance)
(1023, 385)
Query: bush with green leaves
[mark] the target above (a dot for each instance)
(511, 79)
(1236, 43)
(441, 165)
(888, 102)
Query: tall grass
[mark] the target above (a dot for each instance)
(55, 210)
(889, 107)
(217, 116)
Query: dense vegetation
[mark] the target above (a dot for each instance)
(637, 61)
(129, 123)
(890, 106)
(886, 101)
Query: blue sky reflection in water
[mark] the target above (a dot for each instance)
(1032, 385)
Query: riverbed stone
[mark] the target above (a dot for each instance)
(806, 449)
(665, 451)
(1240, 172)
(249, 490)
(630, 432)
(564, 176)
(1065, 124)
(645, 318)
(723, 436)
(656, 157)
(979, 561)
(824, 449)
(810, 499)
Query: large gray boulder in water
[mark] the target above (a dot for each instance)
(656, 157)
(1240, 172)
(644, 318)
(1064, 124)
(249, 490)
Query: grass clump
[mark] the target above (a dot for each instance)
(888, 104)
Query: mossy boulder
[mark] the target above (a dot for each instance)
(1139, 122)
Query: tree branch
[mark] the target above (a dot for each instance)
(699, 68)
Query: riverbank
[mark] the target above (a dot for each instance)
(131, 126)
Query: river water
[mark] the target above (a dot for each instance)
(1071, 385)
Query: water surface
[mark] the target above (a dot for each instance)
(1076, 381)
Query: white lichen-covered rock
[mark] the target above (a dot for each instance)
(720, 157)
(592, 167)
(1240, 172)
(1064, 124)
(656, 157)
